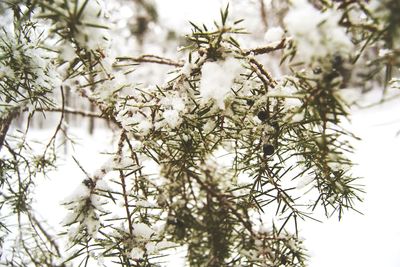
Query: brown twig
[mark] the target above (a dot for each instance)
(153, 59)
(268, 48)
(263, 13)
(123, 184)
(5, 123)
(69, 110)
(263, 74)
(59, 125)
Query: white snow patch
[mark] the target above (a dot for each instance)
(217, 79)
(317, 34)
(274, 34)
(142, 230)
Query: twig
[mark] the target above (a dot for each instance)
(5, 124)
(73, 111)
(263, 13)
(268, 48)
(152, 59)
(263, 74)
(123, 184)
(49, 238)
(59, 125)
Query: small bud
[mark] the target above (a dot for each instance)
(268, 149)
(262, 115)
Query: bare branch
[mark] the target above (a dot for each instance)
(5, 122)
(263, 74)
(72, 111)
(268, 48)
(263, 13)
(152, 59)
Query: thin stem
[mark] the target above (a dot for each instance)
(152, 59)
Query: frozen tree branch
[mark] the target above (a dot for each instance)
(152, 59)
(268, 48)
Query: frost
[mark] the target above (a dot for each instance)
(217, 79)
(31, 59)
(291, 102)
(69, 218)
(317, 34)
(292, 244)
(274, 34)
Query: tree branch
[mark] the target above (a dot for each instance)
(152, 59)
(73, 112)
(5, 122)
(268, 48)
(263, 13)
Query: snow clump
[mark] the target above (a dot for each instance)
(217, 79)
(273, 34)
(317, 34)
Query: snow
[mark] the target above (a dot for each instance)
(355, 241)
(172, 118)
(137, 253)
(187, 68)
(145, 204)
(145, 126)
(93, 37)
(174, 106)
(317, 34)
(6, 71)
(67, 51)
(142, 230)
(273, 34)
(174, 102)
(217, 79)
(81, 192)
(354, 238)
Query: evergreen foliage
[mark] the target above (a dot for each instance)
(198, 160)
